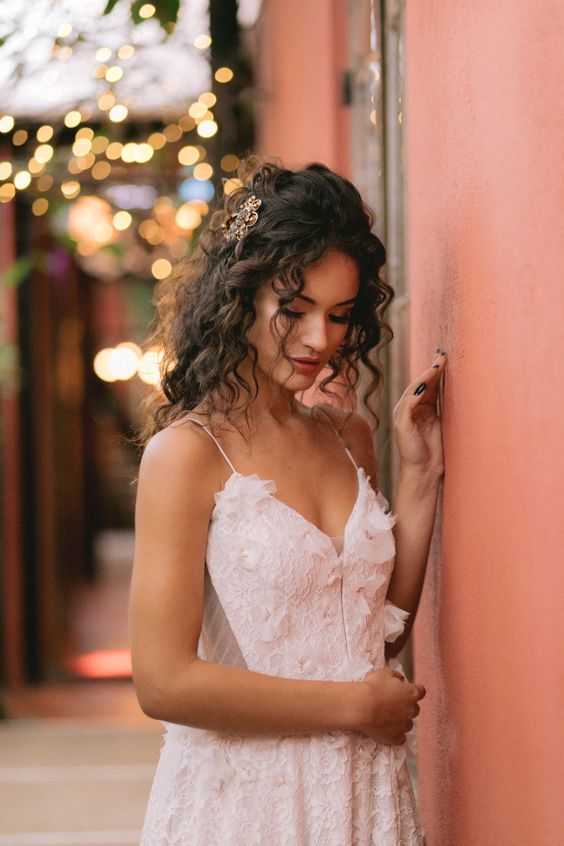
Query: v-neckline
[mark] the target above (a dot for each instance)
(360, 479)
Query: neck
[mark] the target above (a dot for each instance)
(272, 404)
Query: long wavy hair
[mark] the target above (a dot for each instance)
(206, 308)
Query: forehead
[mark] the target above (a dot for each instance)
(334, 278)
(335, 271)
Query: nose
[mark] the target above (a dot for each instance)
(315, 334)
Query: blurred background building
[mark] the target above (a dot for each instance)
(120, 123)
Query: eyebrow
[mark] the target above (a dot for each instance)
(309, 300)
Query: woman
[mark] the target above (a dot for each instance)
(266, 575)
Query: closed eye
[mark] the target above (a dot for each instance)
(336, 318)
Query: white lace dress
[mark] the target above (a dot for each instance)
(280, 599)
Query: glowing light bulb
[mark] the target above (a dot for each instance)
(118, 113)
(22, 179)
(207, 128)
(72, 118)
(201, 42)
(161, 268)
(223, 74)
(114, 73)
(44, 133)
(147, 10)
(188, 155)
(6, 123)
(40, 206)
(122, 220)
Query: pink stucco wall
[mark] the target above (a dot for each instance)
(484, 161)
(302, 52)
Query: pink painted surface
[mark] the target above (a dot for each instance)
(299, 75)
(484, 162)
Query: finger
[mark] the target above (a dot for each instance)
(430, 377)
(398, 675)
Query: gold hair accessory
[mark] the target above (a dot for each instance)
(235, 226)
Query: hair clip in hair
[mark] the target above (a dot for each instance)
(235, 226)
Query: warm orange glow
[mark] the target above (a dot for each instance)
(103, 663)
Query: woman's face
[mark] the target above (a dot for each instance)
(319, 317)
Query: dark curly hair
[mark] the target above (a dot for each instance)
(204, 311)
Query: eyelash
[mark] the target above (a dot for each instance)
(346, 318)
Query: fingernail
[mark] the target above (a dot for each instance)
(420, 388)
(436, 365)
(438, 350)
(443, 352)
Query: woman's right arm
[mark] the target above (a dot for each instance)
(178, 475)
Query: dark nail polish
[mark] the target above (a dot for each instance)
(443, 352)
(438, 350)
(420, 388)
(436, 365)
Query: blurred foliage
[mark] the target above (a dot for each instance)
(166, 11)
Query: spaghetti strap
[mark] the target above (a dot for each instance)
(222, 451)
(347, 450)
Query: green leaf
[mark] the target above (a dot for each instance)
(110, 5)
(16, 273)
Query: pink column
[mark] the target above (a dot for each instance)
(483, 158)
(299, 76)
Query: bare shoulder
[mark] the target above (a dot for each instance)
(183, 454)
(357, 434)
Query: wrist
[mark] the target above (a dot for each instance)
(418, 474)
(356, 705)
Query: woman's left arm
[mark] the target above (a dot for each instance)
(417, 431)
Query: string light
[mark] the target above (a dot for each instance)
(186, 123)
(6, 123)
(208, 99)
(72, 118)
(172, 132)
(207, 128)
(122, 220)
(223, 74)
(40, 206)
(7, 192)
(44, 153)
(229, 162)
(156, 140)
(22, 179)
(84, 132)
(82, 146)
(34, 166)
(147, 10)
(161, 268)
(203, 171)
(5, 170)
(197, 110)
(118, 113)
(106, 101)
(103, 54)
(188, 155)
(126, 51)
(101, 170)
(113, 150)
(201, 42)
(44, 133)
(45, 182)
(114, 73)
(70, 189)
(19, 137)
(99, 144)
